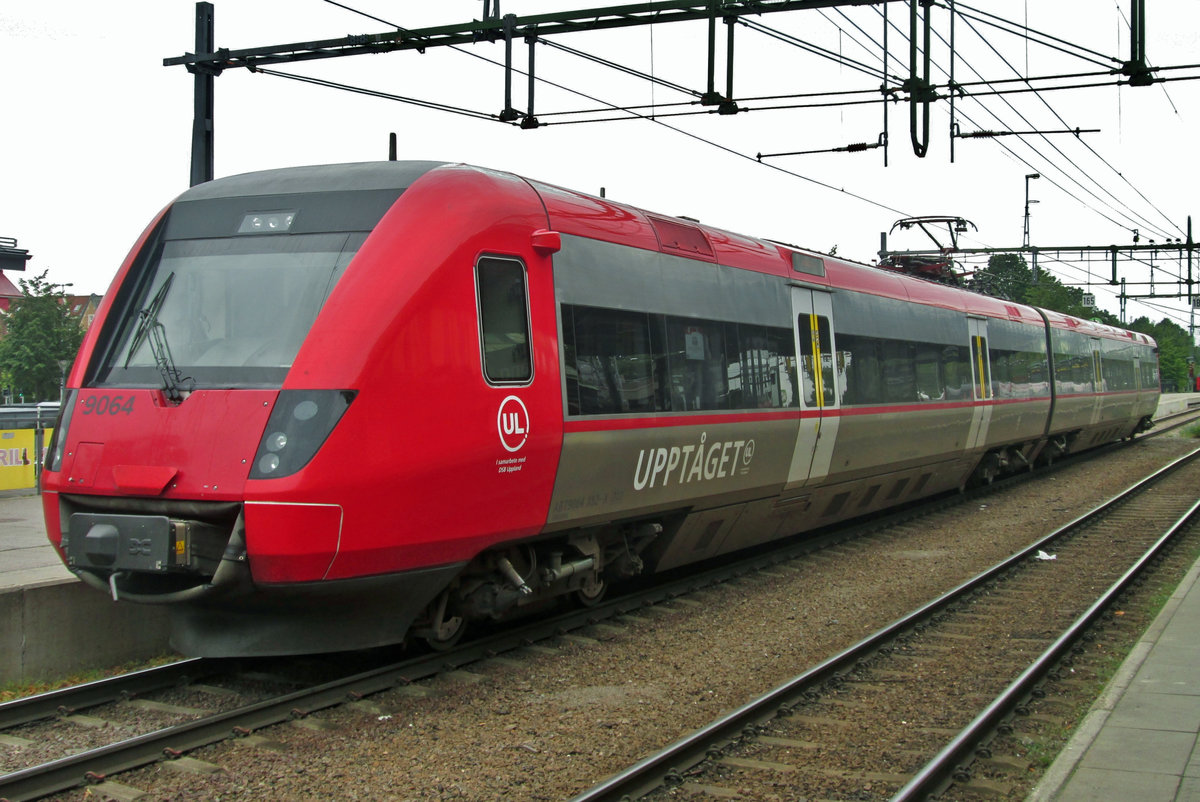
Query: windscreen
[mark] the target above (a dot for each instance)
(226, 312)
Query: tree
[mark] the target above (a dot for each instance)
(40, 333)
(1174, 347)
(1006, 276)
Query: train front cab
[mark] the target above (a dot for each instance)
(181, 473)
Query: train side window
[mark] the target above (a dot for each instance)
(613, 360)
(762, 371)
(956, 368)
(503, 320)
(899, 371)
(784, 351)
(863, 380)
(619, 361)
(1149, 370)
(1117, 366)
(929, 374)
(698, 366)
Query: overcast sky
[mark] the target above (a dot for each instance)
(95, 132)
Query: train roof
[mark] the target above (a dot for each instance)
(396, 175)
(581, 214)
(1093, 328)
(600, 218)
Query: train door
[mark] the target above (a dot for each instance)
(820, 382)
(981, 371)
(1098, 386)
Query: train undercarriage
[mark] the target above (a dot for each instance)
(524, 578)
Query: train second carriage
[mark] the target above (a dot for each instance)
(333, 407)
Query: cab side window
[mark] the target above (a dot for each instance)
(503, 320)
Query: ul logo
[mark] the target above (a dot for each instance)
(139, 547)
(513, 423)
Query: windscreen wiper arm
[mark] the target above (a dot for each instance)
(148, 317)
(172, 379)
(149, 327)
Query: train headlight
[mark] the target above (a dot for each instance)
(300, 422)
(58, 442)
(277, 222)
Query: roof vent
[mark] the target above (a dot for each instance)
(681, 238)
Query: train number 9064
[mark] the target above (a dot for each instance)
(107, 405)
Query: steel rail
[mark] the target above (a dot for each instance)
(1173, 421)
(668, 764)
(97, 764)
(94, 765)
(102, 691)
(948, 762)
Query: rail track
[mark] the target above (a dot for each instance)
(179, 737)
(804, 739)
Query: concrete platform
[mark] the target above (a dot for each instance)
(1176, 402)
(51, 624)
(26, 558)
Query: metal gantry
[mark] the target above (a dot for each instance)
(917, 89)
(1178, 286)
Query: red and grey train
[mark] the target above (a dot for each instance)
(334, 407)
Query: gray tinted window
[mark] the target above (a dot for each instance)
(504, 321)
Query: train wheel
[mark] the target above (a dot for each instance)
(988, 470)
(445, 629)
(592, 591)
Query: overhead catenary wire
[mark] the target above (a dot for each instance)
(427, 104)
(1058, 117)
(828, 54)
(1064, 173)
(732, 151)
(619, 67)
(1141, 220)
(1027, 81)
(632, 114)
(1044, 39)
(822, 52)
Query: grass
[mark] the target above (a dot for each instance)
(1192, 431)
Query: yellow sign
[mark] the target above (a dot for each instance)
(18, 459)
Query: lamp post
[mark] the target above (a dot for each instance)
(63, 364)
(1025, 241)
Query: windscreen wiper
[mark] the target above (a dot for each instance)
(149, 327)
(148, 317)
